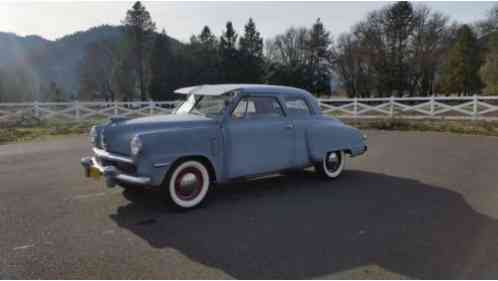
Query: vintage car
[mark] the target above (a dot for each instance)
(221, 133)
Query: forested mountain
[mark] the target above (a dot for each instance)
(16, 49)
(43, 63)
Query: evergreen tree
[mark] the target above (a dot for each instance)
(160, 66)
(140, 29)
(399, 21)
(251, 51)
(319, 51)
(206, 65)
(228, 39)
(208, 39)
(230, 65)
(489, 71)
(461, 73)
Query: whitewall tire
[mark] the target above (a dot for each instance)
(332, 164)
(188, 184)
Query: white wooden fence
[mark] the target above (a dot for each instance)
(434, 107)
(81, 111)
(472, 108)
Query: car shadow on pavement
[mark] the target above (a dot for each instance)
(301, 226)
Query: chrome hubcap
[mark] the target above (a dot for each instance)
(188, 184)
(189, 181)
(333, 161)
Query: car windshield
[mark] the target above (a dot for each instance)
(211, 106)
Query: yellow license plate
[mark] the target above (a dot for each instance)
(94, 173)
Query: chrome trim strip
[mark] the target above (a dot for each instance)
(104, 154)
(159, 165)
(134, 180)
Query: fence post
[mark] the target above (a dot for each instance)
(355, 107)
(115, 105)
(474, 110)
(151, 108)
(431, 104)
(391, 106)
(36, 108)
(77, 110)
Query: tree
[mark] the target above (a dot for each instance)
(206, 66)
(161, 64)
(374, 52)
(207, 39)
(490, 24)
(489, 71)
(230, 58)
(461, 73)
(140, 30)
(124, 77)
(399, 22)
(251, 51)
(287, 58)
(319, 54)
(396, 50)
(97, 70)
(18, 83)
(56, 94)
(426, 51)
(351, 66)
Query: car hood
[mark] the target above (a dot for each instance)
(117, 134)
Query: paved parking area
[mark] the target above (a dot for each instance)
(417, 205)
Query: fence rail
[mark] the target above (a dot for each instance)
(81, 111)
(434, 107)
(470, 108)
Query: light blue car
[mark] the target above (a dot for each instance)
(221, 133)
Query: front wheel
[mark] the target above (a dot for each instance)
(188, 184)
(331, 165)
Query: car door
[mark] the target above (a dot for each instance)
(298, 109)
(259, 138)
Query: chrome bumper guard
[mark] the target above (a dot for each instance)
(111, 173)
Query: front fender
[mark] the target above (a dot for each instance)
(162, 148)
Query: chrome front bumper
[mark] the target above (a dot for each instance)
(111, 174)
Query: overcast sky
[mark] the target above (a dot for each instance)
(182, 19)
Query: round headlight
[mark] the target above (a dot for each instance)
(136, 145)
(93, 135)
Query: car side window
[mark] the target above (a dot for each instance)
(258, 107)
(240, 110)
(297, 106)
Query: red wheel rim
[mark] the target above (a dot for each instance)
(188, 183)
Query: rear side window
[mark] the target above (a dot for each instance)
(297, 106)
(258, 107)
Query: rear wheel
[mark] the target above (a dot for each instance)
(187, 185)
(331, 165)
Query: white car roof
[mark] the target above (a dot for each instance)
(209, 90)
(220, 89)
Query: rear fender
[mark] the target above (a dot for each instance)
(324, 137)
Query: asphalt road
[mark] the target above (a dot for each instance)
(417, 205)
